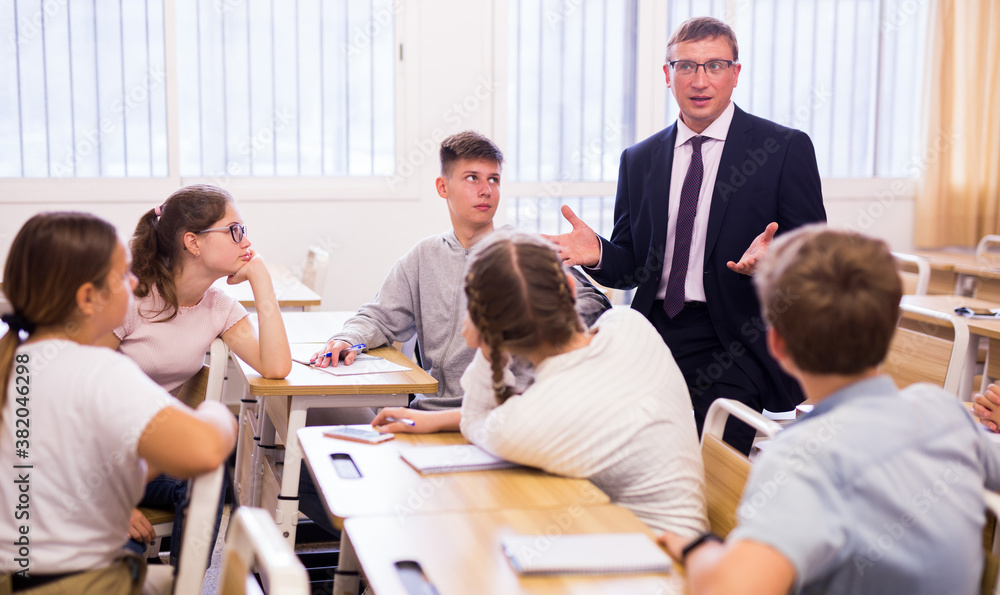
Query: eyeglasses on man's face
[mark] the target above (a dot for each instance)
(236, 230)
(690, 67)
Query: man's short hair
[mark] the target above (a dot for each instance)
(833, 296)
(698, 28)
(467, 145)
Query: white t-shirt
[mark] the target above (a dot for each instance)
(79, 425)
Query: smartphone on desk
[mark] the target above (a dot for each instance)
(358, 434)
(978, 312)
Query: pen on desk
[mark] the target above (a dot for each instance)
(401, 420)
(356, 348)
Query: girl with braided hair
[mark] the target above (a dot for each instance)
(608, 404)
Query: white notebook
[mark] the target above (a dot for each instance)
(452, 458)
(596, 553)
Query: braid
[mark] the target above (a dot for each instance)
(493, 339)
(567, 301)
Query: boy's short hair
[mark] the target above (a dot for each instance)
(833, 296)
(698, 28)
(467, 145)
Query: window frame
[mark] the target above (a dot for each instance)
(258, 188)
(651, 95)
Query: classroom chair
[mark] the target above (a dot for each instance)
(726, 469)
(254, 540)
(915, 272)
(206, 384)
(314, 271)
(197, 546)
(933, 347)
(991, 545)
(984, 255)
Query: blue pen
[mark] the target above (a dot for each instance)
(401, 420)
(358, 348)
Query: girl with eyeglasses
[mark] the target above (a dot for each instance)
(179, 249)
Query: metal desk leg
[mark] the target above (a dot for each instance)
(287, 515)
(346, 580)
(266, 443)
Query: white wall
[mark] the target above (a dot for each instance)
(365, 236)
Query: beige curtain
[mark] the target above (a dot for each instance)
(958, 200)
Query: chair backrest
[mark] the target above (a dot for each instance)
(314, 270)
(928, 346)
(727, 469)
(207, 384)
(199, 528)
(206, 489)
(983, 253)
(915, 272)
(991, 545)
(254, 540)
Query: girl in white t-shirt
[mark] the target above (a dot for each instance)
(82, 426)
(179, 249)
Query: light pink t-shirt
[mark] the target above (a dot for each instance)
(173, 351)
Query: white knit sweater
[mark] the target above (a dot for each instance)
(616, 411)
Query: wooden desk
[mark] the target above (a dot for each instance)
(277, 409)
(389, 486)
(951, 270)
(978, 327)
(459, 552)
(289, 290)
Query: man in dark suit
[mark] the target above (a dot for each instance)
(698, 204)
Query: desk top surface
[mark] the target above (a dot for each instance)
(289, 290)
(307, 332)
(947, 304)
(388, 485)
(947, 260)
(459, 552)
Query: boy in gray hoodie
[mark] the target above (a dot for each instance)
(423, 295)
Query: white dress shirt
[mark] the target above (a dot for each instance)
(711, 154)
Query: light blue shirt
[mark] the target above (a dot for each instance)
(878, 490)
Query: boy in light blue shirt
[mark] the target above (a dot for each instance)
(878, 490)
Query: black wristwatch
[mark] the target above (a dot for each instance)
(698, 542)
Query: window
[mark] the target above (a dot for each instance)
(848, 72)
(82, 90)
(572, 112)
(262, 88)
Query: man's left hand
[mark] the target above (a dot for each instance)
(748, 264)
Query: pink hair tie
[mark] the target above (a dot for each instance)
(158, 211)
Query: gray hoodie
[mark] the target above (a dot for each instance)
(423, 294)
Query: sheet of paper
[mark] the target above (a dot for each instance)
(363, 364)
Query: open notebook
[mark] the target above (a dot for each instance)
(452, 458)
(596, 553)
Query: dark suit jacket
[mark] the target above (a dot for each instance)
(767, 173)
